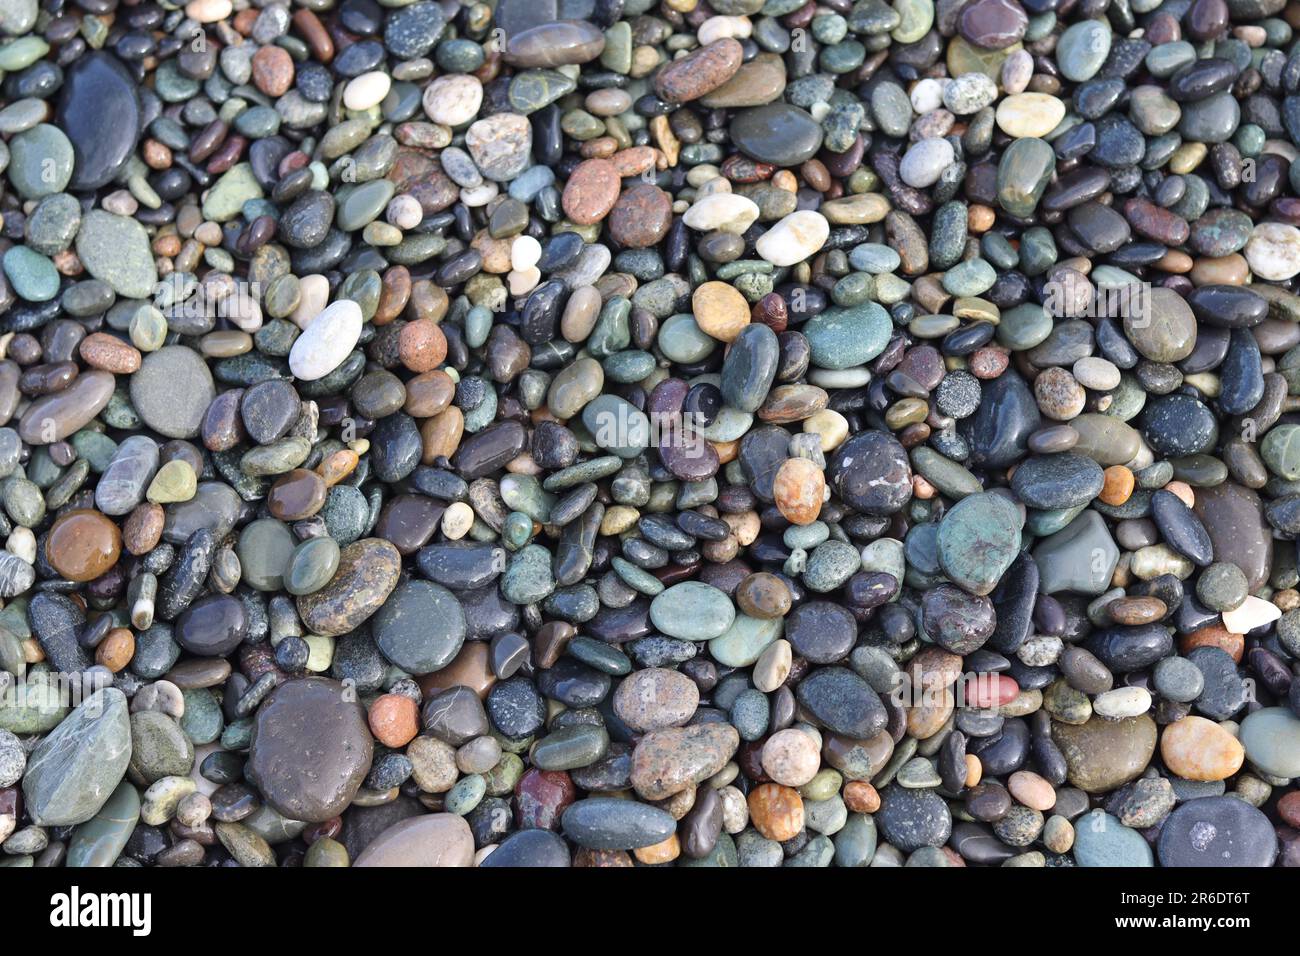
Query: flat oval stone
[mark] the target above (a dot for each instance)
(212, 626)
(1271, 736)
(842, 702)
(367, 573)
(1102, 754)
(427, 840)
(692, 611)
(172, 391)
(1217, 831)
(72, 773)
(328, 339)
(83, 544)
(847, 337)
(310, 749)
(264, 549)
(116, 250)
(777, 133)
(750, 367)
(699, 72)
(1101, 840)
(1057, 481)
(605, 823)
(52, 418)
(99, 110)
(420, 628)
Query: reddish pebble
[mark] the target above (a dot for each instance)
(591, 191)
(273, 70)
(394, 720)
(422, 345)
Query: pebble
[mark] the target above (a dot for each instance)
(368, 331)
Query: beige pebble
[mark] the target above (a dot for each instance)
(791, 757)
(773, 666)
(456, 520)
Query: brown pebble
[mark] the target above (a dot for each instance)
(296, 495)
(699, 72)
(429, 393)
(861, 797)
(394, 720)
(591, 191)
(273, 70)
(421, 345)
(116, 649)
(143, 528)
(641, 216)
(776, 811)
(83, 544)
(101, 350)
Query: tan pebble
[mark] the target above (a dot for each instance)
(1199, 749)
(791, 757)
(773, 666)
(829, 425)
(665, 851)
(720, 310)
(1032, 790)
(457, 520)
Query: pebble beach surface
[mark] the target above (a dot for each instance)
(615, 433)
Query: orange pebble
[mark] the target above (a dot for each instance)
(1216, 635)
(394, 720)
(776, 811)
(974, 770)
(337, 466)
(799, 489)
(861, 797)
(1117, 486)
(421, 345)
(665, 851)
(116, 649)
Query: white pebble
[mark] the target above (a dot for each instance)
(719, 28)
(523, 281)
(209, 11)
(456, 520)
(1254, 612)
(1096, 373)
(327, 341)
(1122, 702)
(367, 90)
(726, 212)
(313, 294)
(525, 252)
(23, 544)
(404, 212)
(479, 195)
(453, 100)
(927, 96)
(925, 162)
(1274, 251)
(795, 238)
